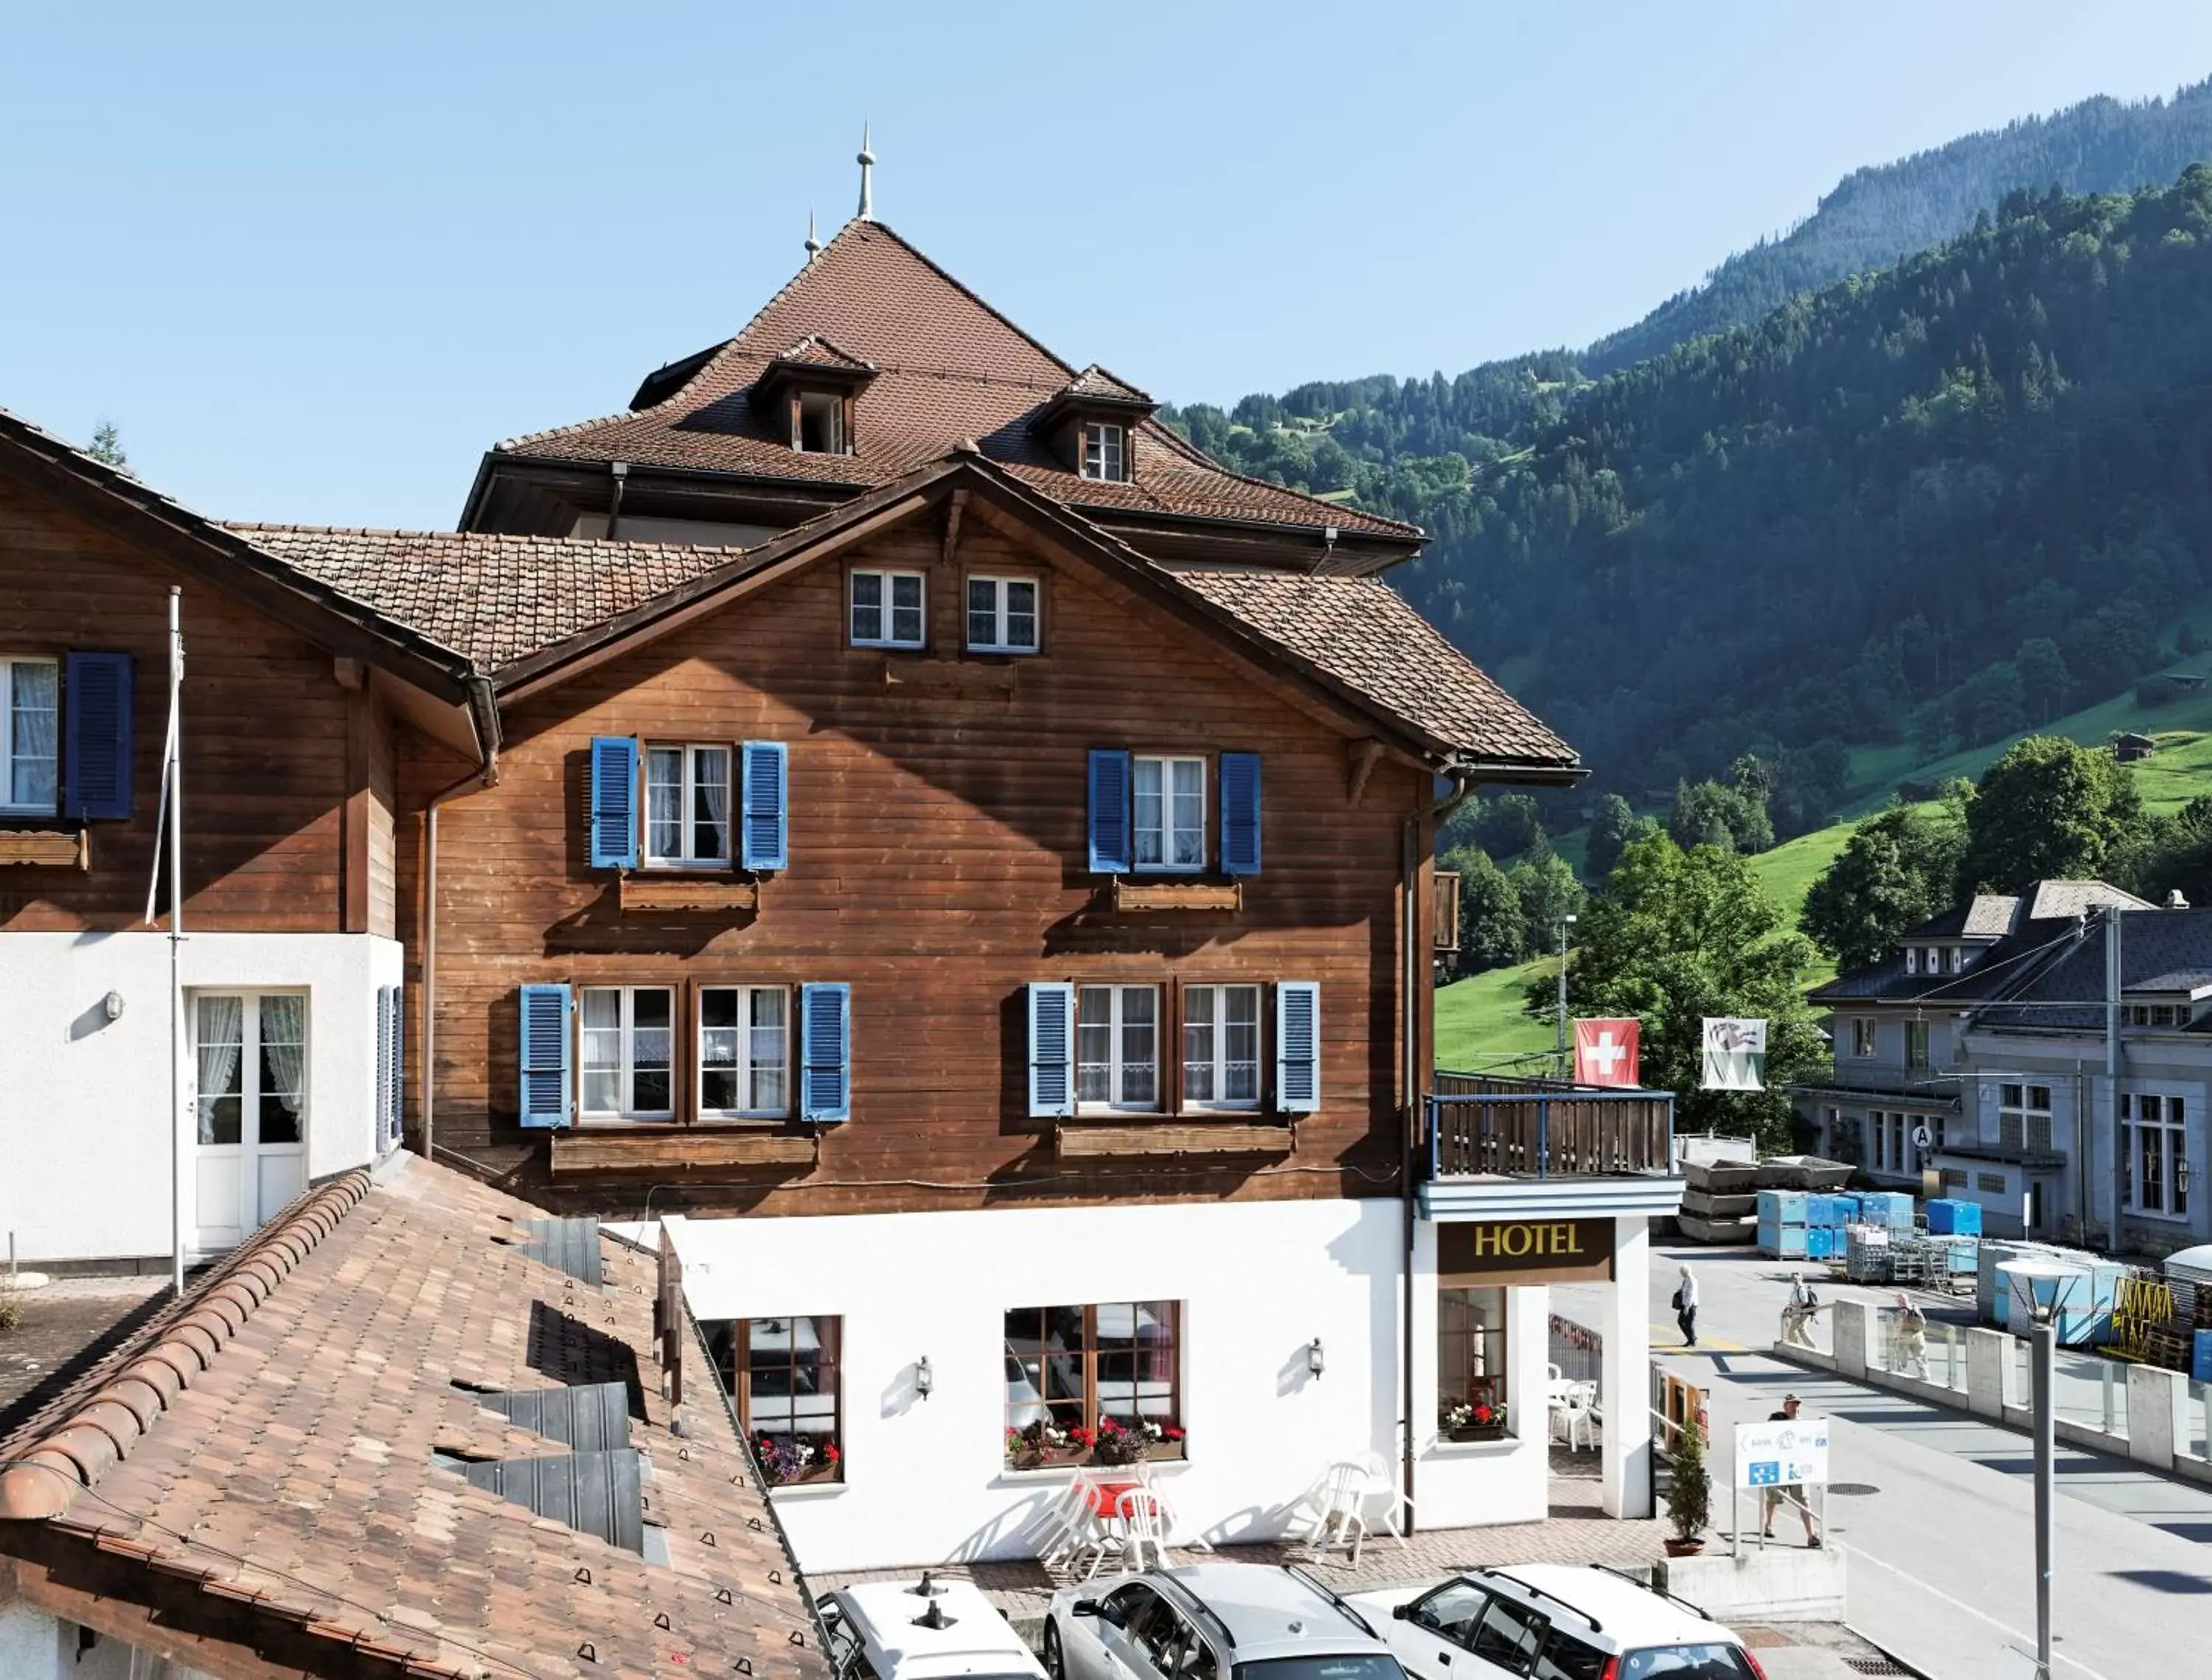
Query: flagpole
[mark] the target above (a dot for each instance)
(173, 781)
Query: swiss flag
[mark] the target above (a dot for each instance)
(1605, 1052)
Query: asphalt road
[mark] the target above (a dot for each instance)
(1941, 1547)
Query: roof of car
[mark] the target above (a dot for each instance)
(1271, 1612)
(1625, 1613)
(975, 1639)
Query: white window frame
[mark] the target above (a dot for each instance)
(1864, 1039)
(2023, 1110)
(1954, 960)
(887, 609)
(1168, 828)
(2172, 1131)
(748, 1066)
(1097, 456)
(1001, 614)
(1216, 1064)
(626, 1064)
(10, 805)
(1912, 959)
(1118, 1064)
(839, 444)
(686, 856)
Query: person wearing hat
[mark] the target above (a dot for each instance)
(1797, 1312)
(1794, 1492)
(1909, 1325)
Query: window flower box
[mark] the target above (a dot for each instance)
(1478, 1421)
(790, 1461)
(1043, 1446)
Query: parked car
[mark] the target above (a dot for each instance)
(1213, 1621)
(1554, 1621)
(927, 1630)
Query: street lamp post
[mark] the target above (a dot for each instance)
(1565, 922)
(2044, 1282)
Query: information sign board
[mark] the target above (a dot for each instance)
(1780, 1452)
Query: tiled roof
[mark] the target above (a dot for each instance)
(951, 368)
(1096, 381)
(2055, 899)
(270, 1441)
(1986, 915)
(816, 352)
(2160, 950)
(1362, 632)
(493, 599)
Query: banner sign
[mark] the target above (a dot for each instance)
(1475, 1253)
(1736, 1053)
(1781, 1453)
(1605, 1052)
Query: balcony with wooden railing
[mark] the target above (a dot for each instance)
(1485, 1126)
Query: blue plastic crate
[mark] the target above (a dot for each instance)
(1781, 1207)
(1783, 1242)
(1843, 1210)
(1948, 1216)
(2200, 1358)
(1821, 1243)
(1820, 1210)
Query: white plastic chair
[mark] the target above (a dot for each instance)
(1344, 1493)
(1570, 1417)
(1144, 1521)
(1382, 1484)
(1069, 1523)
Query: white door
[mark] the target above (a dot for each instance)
(249, 1065)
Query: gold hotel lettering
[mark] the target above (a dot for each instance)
(1560, 1239)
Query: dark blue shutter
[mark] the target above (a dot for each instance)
(825, 1051)
(764, 830)
(96, 770)
(1109, 812)
(1052, 1047)
(1240, 813)
(613, 818)
(1297, 1046)
(545, 1055)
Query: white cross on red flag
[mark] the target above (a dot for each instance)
(1605, 1052)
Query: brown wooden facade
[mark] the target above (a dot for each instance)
(937, 866)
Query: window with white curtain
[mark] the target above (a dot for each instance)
(887, 608)
(1118, 1047)
(1170, 812)
(626, 1043)
(745, 1042)
(687, 805)
(1002, 615)
(30, 716)
(1221, 1046)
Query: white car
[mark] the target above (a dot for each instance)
(1211, 1622)
(927, 1630)
(1554, 1621)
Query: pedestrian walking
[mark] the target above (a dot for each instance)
(1686, 1307)
(1909, 1325)
(1792, 1492)
(1798, 1312)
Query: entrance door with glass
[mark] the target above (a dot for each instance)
(249, 1060)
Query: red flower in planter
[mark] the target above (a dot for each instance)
(831, 1456)
(1483, 1415)
(1172, 1433)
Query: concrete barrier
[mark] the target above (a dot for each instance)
(1988, 1369)
(2158, 1416)
(1778, 1583)
(1850, 1339)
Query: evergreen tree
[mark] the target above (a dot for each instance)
(106, 446)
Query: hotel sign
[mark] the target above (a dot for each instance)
(1476, 1253)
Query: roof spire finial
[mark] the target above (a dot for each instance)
(813, 244)
(867, 162)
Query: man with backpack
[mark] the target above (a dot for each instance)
(1797, 1312)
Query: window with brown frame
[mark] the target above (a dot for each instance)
(1093, 1384)
(1471, 1362)
(784, 1374)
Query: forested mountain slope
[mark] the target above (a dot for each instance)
(1940, 501)
(1878, 215)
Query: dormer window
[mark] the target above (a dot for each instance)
(1105, 451)
(1912, 959)
(820, 428)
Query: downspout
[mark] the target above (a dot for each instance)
(484, 714)
(1410, 861)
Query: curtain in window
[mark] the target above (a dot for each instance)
(664, 802)
(283, 1051)
(714, 803)
(221, 1022)
(33, 712)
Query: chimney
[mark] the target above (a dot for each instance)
(2174, 900)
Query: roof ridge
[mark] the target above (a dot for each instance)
(165, 1359)
(509, 538)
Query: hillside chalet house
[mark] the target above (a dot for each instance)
(885, 809)
(1985, 1034)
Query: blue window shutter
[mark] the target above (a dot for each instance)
(764, 829)
(1297, 1046)
(825, 1051)
(1052, 1047)
(1109, 812)
(96, 769)
(545, 1055)
(613, 819)
(1240, 813)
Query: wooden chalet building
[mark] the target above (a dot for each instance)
(886, 806)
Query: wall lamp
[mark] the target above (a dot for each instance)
(112, 1003)
(924, 1378)
(1316, 1363)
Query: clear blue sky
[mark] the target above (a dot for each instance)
(313, 260)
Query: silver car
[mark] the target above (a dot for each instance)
(1211, 1622)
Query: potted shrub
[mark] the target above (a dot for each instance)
(1689, 1493)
